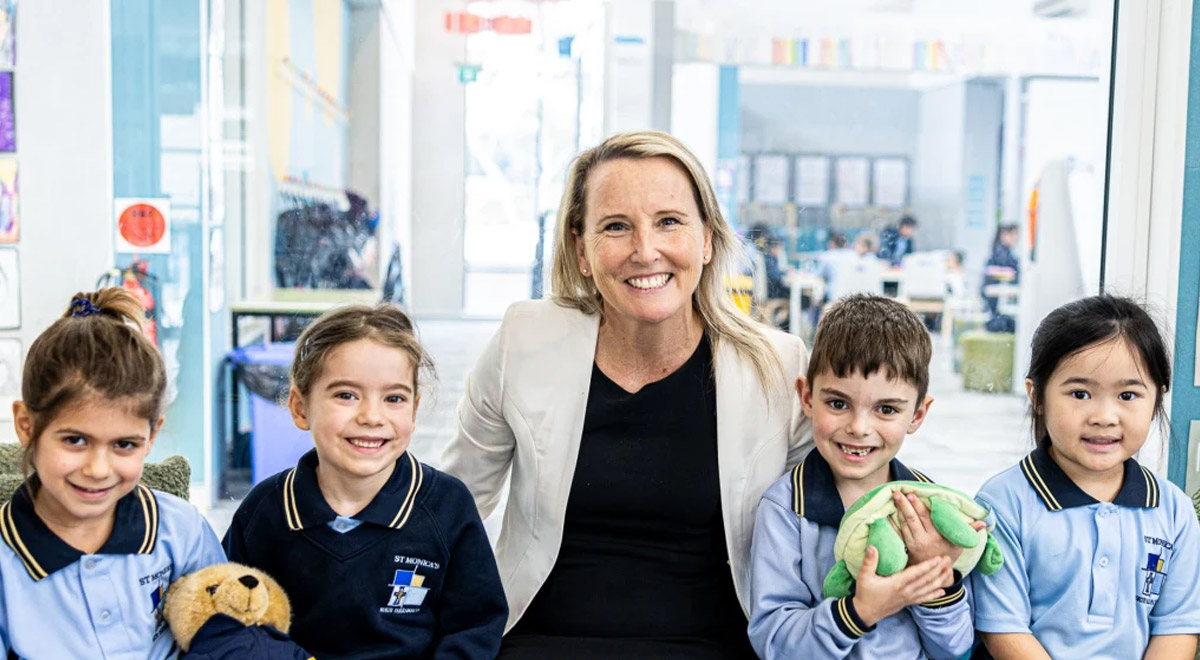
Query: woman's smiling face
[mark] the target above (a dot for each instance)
(644, 242)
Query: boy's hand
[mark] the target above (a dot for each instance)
(876, 598)
(923, 540)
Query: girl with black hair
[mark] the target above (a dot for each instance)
(1100, 553)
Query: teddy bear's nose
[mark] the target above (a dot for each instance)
(249, 581)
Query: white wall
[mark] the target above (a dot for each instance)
(937, 177)
(976, 227)
(64, 135)
(832, 120)
(439, 167)
(695, 92)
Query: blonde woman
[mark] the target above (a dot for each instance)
(641, 417)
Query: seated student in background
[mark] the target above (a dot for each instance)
(1002, 266)
(88, 552)
(1100, 554)
(864, 391)
(897, 241)
(382, 556)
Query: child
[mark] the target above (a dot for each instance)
(864, 391)
(1099, 554)
(382, 557)
(88, 552)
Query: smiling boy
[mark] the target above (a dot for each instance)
(865, 390)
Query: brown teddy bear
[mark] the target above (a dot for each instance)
(231, 611)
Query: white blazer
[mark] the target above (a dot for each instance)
(523, 410)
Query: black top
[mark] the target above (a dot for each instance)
(416, 579)
(643, 555)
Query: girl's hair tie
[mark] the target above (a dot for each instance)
(81, 307)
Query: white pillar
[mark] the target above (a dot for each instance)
(439, 155)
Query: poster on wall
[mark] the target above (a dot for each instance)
(10, 224)
(891, 182)
(142, 225)
(812, 181)
(8, 113)
(853, 180)
(771, 179)
(10, 290)
(10, 376)
(8, 33)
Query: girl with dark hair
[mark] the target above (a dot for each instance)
(88, 552)
(1099, 552)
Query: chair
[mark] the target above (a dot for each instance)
(171, 475)
(854, 274)
(925, 287)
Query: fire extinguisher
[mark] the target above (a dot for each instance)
(136, 279)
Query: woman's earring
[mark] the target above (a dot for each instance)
(585, 271)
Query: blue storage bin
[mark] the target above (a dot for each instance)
(275, 442)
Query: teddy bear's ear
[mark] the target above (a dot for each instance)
(279, 609)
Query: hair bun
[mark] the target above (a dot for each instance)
(113, 303)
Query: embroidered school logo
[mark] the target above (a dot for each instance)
(156, 598)
(1154, 570)
(408, 589)
(156, 605)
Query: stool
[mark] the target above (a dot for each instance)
(987, 361)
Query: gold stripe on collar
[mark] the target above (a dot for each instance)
(290, 512)
(150, 515)
(1151, 487)
(1039, 484)
(414, 486)
(920, 477)
(798, 489)
(8, 529)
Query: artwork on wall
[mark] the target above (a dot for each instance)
(853, 178)
(8, 33)
(10, 290)
(771, 179)
(891, 182)
(10, 376)
(8, 113)
(10, 223)
(812, 181)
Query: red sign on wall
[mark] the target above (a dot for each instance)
(143, 225)
(463, 22)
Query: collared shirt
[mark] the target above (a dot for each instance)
(57, 602)
(794, 532)
(1089, 579)
(414, 578)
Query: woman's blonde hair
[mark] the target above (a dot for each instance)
(723, 321)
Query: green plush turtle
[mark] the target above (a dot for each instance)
(867, 523)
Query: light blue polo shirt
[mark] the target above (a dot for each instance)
(1089, 579)
(56, 602)
(794, 531)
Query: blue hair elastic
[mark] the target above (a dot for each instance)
(81, 307)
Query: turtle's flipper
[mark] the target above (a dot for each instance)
(992, 558)
(953, 525)
(837, 583)
(893, 556)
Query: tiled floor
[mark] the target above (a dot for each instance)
(967, 437)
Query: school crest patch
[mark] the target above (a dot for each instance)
(1154, 569)
(408, 590)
